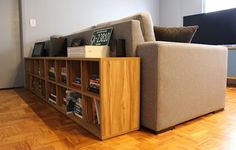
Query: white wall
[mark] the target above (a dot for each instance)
(62, 17)
(172, 11)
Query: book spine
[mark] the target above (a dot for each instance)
(97, 108)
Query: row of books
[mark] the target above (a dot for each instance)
(94, 81)
(88, 109)
(52, 74)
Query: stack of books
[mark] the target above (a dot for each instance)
(63, 75)
(51, 73)
(71, 99)
(77, 82)
(52, 98)
(78, 108)
(94, 84)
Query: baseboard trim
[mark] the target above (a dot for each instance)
(12, 88)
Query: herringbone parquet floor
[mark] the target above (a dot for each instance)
(27, 123)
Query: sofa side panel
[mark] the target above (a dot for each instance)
(148, 55)
(191, 81)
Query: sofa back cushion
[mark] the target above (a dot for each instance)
(145, 22)
(175, 34)
(130, 31)
(85, 35)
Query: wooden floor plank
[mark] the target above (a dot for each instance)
(27, 123)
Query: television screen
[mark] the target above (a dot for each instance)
(217, 28)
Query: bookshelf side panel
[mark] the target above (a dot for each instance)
(120, 96)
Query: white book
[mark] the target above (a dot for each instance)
(88, 51)
(53, 95)
(78, 115)
(51, 100)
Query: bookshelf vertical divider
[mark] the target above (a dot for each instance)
(113, 111)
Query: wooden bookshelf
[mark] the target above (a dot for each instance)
(113, 111)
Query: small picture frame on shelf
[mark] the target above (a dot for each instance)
(101, 37)
(38, 49)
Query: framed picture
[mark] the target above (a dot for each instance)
(101, 36)
(38, 49)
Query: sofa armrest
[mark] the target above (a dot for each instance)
(182, 80)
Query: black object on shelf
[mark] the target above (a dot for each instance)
(77, 42)
(38, 50)
(58, 46)
(118, 48)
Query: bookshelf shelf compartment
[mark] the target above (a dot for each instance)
(110, 109)
(75, 74)
(52, 93)
(51, 71)
(61, 72)
(61, 94)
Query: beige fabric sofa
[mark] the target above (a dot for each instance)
(180, 81)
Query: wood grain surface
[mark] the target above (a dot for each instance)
(120, 96)
(27, 123)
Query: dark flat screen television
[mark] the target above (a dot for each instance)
(217, 28)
